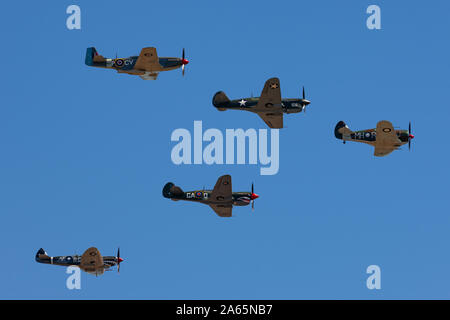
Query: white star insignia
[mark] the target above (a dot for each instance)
(242, 103)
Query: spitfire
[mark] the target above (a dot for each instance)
(384, 138)
(269, 106)
(91, 261)
(221, 199)
(147, 65)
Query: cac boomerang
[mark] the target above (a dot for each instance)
(384, 137)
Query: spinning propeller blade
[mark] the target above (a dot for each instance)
(410, 136)
(119, 259)
(253, 196)
(183, 62)
(304, 101)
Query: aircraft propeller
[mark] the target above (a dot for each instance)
(119, 260)
(183, 63)
(410, 136)
(304, 102)
(253, 196)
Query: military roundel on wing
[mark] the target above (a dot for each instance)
(118, 63)
(199, 194)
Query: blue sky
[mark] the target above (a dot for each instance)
(86, 152)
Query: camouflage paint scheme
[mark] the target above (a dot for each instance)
(384, 137)
(269, 106)
(147, 65)
(91, 261)
(221, 199)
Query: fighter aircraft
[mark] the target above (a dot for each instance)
(91, 261)
(269, 106)
(384, 138)
(147, 65)
(221, 199)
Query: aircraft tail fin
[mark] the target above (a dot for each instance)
(41, 255)
(92, 57)
(341, 130)
(171, 191)
(220, 99)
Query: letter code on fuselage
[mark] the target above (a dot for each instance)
(197, 195)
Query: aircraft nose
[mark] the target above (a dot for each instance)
(254, 196)
(119, 259)
(411, 136)
(306, 102)
(184, 61)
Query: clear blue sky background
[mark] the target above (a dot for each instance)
(85, 152)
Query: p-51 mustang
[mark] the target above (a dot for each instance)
(91, 261)
(221, 199)
(269, 106)
(384, 138)
(147, 65)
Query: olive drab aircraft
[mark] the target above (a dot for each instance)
(269, 106)
(384, 138)
(91, 261)
(147, 65)
(221, 199)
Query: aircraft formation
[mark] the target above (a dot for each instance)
(269, 106)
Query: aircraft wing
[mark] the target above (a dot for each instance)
(91, 259)
(273, 120)
(148, 58)
(151, 76)
(270, 98)
(222, 190)
(224, 210)
(381, 152)
(387, 139)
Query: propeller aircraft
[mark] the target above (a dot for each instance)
(147, 65)
(221, 199)
(269, 106)
(91, 261)
(384, 137)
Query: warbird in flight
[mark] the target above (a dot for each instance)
(147, 65)
(384, 138)
(91, 261)
(221, 199)
(269, 106)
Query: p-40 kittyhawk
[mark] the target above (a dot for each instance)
(384, 138)
(221, 199)
(91, 261)
(147, 65)
(269, 106)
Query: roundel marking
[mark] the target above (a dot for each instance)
(118, 63)
(367, 134)
(199, 194)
